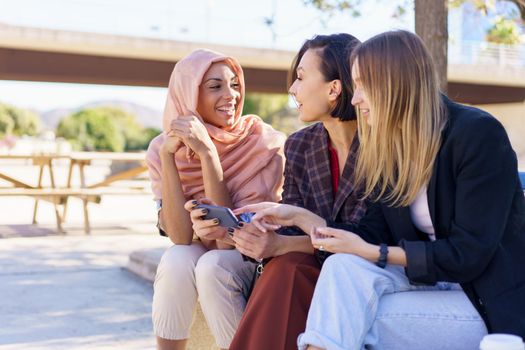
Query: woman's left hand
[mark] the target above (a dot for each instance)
(204, 229)
(193, 133)
(256, 244)
(338, 241)
(271, 216)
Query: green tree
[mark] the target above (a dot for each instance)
(264, 105)
(6, 125)
(504, 32)
(105, 129)
(147, 135)
(136, 137)
(92, 129)
(22, 121)
(274, 110)
(127, 126)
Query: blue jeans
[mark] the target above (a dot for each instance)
(357, 305)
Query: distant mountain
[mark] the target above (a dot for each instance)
(146, 116)
(50, 119)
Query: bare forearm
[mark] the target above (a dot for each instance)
(306, 221)
(214, 183)
(174, 218)
(214, 189)
(288, 244)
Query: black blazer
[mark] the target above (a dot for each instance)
(477, 209)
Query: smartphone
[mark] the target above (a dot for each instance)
(224, 215)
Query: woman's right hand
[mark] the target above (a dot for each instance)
(171, 143)
(193, 133)
(270, 216)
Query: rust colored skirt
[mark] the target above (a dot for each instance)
(277, 309)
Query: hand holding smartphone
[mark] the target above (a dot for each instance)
(224, 215)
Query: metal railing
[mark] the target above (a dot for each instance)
(484, 53)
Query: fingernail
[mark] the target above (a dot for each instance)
(216, 221)
(205, 211)
(241, 224)
(230, 231)
(194, 203)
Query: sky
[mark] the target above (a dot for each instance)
(229, 22)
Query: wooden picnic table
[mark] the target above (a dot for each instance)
(86, 192)
(83, 159)
(42, 161)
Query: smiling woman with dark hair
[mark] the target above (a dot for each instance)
(320, 161)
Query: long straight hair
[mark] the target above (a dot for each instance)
(399, 148)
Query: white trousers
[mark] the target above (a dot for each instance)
(220, 279)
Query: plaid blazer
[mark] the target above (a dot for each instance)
(308, 179)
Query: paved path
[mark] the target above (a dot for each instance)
(71, 292)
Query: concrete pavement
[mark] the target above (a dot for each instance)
(71, 292)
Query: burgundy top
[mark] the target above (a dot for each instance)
(334, 168)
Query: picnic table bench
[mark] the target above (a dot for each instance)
(88, 193)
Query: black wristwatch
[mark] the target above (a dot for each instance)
(383, 254)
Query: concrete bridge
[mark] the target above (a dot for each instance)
(31, 54)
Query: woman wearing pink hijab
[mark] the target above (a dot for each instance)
(208, 149)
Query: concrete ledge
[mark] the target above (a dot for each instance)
(143, 263)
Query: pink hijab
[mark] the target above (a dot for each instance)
(251, 151)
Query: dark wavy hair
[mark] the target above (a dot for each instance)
(334, 51)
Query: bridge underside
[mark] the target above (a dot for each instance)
(28, 65)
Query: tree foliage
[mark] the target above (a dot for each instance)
(127, 126)
(91, 130)
(352, 6)
(104, 129)
(18, 121)
(504, 32)
(274, 110)
(6, 124)
(264, 105)
(332, 6)
(490, 5)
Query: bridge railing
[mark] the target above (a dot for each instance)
(484, 53)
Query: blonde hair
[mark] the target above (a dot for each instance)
(398, 150)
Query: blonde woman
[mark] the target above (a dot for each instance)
(438, 259)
